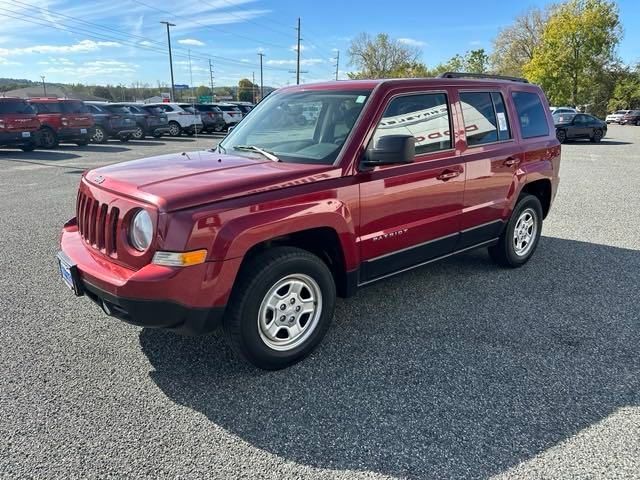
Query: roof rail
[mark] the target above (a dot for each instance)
(481, 75)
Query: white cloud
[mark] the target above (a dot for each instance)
(7, 62)
(84, 46)
(145, 43)
(191, 41)
(98, 69)
(412, 42)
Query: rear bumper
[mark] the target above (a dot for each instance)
(69, 134)
(16, 138)
(122, 131)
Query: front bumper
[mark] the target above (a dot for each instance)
(120, 132)
(16, 138)
(189, 300)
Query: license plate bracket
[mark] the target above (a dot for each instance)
(69, 274)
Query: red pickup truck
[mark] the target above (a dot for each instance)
(322, 189)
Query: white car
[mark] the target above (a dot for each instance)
(616, 117)
(557, 110)
(231, 113)
(180, 119)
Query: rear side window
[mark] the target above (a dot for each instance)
(531, 114)
(48, 107)
(17, 107)
(425, 117)
(74, 107)
(485, 118)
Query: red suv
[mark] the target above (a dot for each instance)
(261, 233)
(18, 124)
(63, 121)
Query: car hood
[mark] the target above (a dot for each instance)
(179, 181)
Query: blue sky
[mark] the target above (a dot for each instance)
(122, 41)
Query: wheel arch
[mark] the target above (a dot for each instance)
(542, 190)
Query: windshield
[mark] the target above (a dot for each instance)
(298, 127)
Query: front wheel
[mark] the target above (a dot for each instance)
(174, 129)
(281, 307)
(520, 237)
(138, 134)
(561, 135)
(99, 135)
(48, 138)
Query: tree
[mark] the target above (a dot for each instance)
(247, 90)
(381, 56)
(577, 48)
(626, 93)
(476, 61)
(514, 46)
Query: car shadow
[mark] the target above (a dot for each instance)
(100, 148)
(458, 369)
(604, 141)
(47, 155)
(178, 139)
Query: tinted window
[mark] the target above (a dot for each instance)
(74, 107)
(425, 117)
(228, 108)
(18, 107)
(480, 122)
(153, 110)
(116, 109)
(48, 107)
(504, 132)
(533, 120)
(95, 109)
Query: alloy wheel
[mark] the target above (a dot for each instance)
(525, 232)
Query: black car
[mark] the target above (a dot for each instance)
(149, 120)
(112, 121)
(212, 117)
(575, 126)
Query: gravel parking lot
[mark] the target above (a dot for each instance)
(455, 370)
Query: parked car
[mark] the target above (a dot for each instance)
(150, 120)
(231, 114)
(575, 126)
(260, 234)
(180, 119)
(616, 117)
(111, 121)
(19, 125)
(632, 117)
(212, 119)
(245, 107)
(63, 121)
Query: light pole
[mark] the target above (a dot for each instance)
(173, 88)
(261, 83)
(44, 85)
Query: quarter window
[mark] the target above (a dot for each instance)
(533, 120)
(485, 118)
(425, 117)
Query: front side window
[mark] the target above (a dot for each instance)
(485, 118)
(424, 116)
(74, 107)
(298, 127)
(531, 114)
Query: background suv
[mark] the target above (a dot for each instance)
(63, 121)
(111, 121)
(616, 117)
(180, 119)
(212, 118)
(149, 120)
(19, 124)
(632, 117)
(231, 114)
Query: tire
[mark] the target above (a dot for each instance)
(505, 252)
(174, 129)
(156, 135)
(83, 143)
(270, 344)
(218, 128)
(125, 138)
(100, 135)
(190, 133)
(637, 123)
(561, 135)
(29, 147)
(48, 138)
(597, 136)
(138, 134)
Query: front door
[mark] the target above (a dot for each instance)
(410, 213)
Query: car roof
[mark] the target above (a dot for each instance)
(52, 100)
(11, 99)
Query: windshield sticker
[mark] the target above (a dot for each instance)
(361, 98)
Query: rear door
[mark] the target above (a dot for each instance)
(410, 213)
(491, 155)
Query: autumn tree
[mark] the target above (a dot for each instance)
(515, 45)
(577, 48)
(383, 57)
(247, 90)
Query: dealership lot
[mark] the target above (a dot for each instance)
(455, 370)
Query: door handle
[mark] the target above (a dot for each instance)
(511, 161)
(448, 175)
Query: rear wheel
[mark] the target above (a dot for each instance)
(174, 129)
(520, 237)
(597, 136)
(100, 135)
(138, 134)
(125, 138)
(281, 307)
(83, 143)
(29, 147)
(48, 138)
(561, 135)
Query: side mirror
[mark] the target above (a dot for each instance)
(230, 129)
(390, 150)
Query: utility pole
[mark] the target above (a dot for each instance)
(44, 85)
(261, 83)
(337, 63)
(253, 86)
(211, 78)
(298, 51)
(173, 88)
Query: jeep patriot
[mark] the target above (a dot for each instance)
(322, 189)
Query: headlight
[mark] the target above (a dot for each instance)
(141, 231)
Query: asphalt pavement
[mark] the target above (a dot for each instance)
(456, 370)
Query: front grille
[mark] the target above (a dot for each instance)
(98, 225)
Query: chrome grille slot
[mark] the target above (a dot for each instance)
(97, 224)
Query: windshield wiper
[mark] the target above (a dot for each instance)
(253, 148)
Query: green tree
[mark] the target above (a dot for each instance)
(476, 61)
(514, 46)
(247, 90)
(102, 92)
(578, 46)
(382, 57)
(626, 93)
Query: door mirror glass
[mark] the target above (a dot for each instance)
(390, 150)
